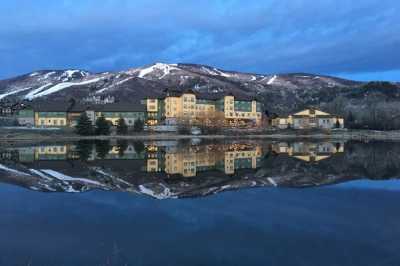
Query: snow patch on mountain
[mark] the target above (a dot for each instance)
(223, 74)
(272, 80)
(70, 74)
(46, 76)
(34, 74)
(32, 94)
(63, 177)
(164, 194)
(62, 86)
(114, 85)
(7, 169)
(13, 92)
(164, 68)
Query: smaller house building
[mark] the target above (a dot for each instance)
(67, 115)
(308, 119)
(26, 117)
(130, 112)
(50, 115)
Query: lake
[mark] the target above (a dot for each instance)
(200, 202)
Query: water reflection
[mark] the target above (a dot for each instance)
(168, 169)
(309, 152)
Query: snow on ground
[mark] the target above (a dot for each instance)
(209, 71)
(223, 74)
(115, 84)
(68, 74)
(31, 94)
(62, 86)
(38, 173)
(98, 170)
(272, 182)
(272, 80)
(5, 168)
(165, 68)
(13, 92)
(63, 177)
(253, 78)
(34, 74)
(48, 75)
(165, 194)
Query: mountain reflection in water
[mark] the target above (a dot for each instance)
(172, 169)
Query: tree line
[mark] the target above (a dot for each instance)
(85, 127)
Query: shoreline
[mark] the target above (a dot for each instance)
(362, 135)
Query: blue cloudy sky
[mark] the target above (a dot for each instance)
(354, 39)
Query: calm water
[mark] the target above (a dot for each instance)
(200, 203)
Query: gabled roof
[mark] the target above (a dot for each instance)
(314, 112)
(51, 107)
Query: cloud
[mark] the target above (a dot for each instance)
(258, 36)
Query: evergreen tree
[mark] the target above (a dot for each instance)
(138, 126)
(122, 145)
(350, 120)
(102, 126)
(122, 128)
(84, 149)
(139, 146)
(337, 124)
(103, 147)
(84, 126)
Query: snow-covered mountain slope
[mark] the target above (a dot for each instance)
(282, 92)
(50, 83)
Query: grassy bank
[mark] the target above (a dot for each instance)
(21, 135)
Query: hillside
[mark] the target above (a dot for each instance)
(280, 93)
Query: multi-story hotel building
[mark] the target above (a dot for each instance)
(236, 110)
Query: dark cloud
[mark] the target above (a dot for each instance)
(258, 36)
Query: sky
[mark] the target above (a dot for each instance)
(352, 39)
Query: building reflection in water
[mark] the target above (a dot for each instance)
(307, 151)
(173, 158)
(170, 158)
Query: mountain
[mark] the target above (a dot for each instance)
(281, 93)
